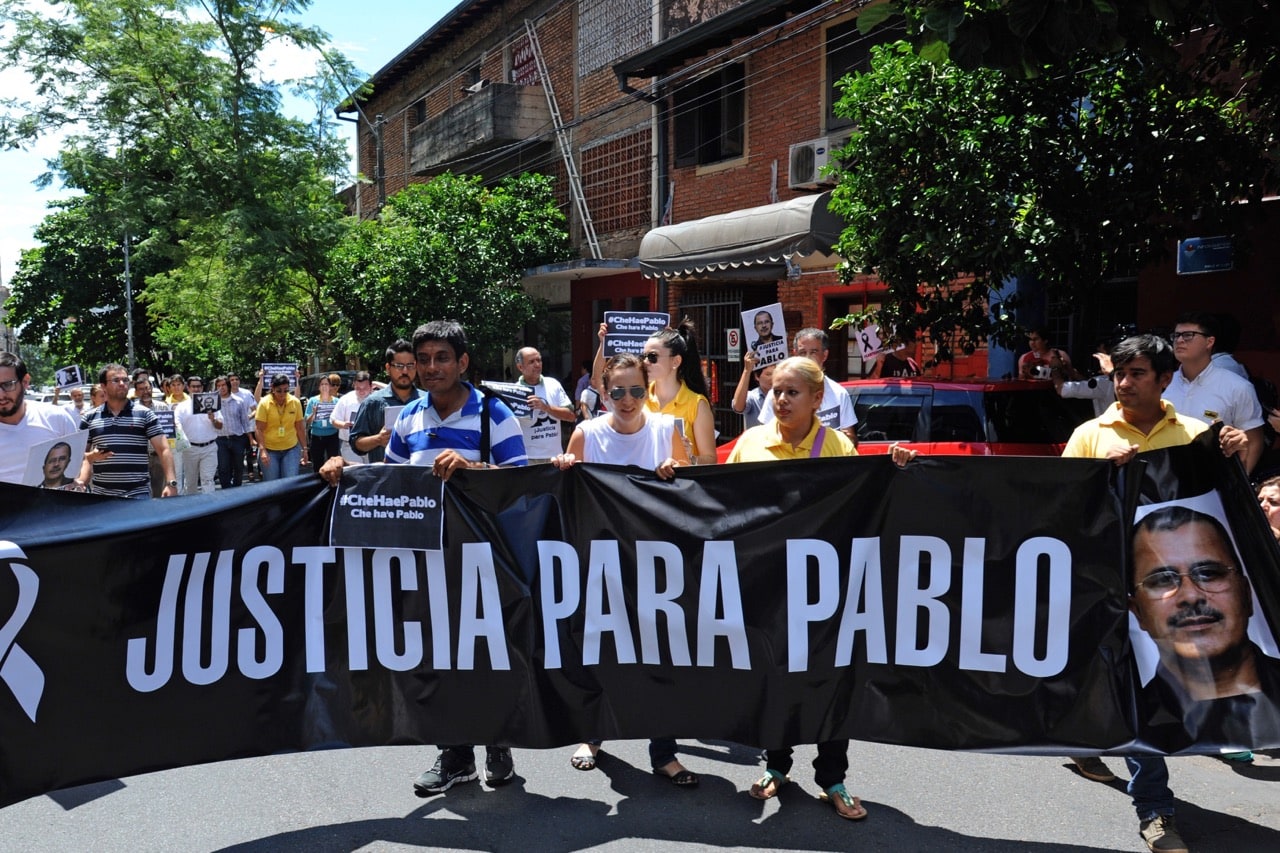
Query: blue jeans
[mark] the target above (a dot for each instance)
(281, 463)
(1149, 785)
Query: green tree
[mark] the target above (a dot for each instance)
(448, 249)
(178, 138)
(68, 293)
(958, 179)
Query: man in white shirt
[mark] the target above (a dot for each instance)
(548, 404)
(1202, 390)
(77, 406)
(200, 460)
(23, 422)
(344, 415)
(837, 408)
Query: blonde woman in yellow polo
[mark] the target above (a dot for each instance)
(796, 433)
(280, 427)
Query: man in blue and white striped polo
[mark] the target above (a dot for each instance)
(120, 431)
(443, 430)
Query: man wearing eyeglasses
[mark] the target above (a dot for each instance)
(1138, 421)
(1193, 599)
(1207, 392)
(369, 435)
(24, 422)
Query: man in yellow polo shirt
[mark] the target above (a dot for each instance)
(1140, 420)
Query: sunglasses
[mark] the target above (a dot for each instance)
(651, 357)
(637, 391)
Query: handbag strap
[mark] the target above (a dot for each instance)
(817, 443)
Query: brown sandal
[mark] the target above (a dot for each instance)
(768, 785)
(845, 804)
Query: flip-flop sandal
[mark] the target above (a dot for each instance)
(767, 787)
(583, 762)
(847, 806)
(681, 779)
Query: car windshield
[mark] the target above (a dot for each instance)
(884, 415)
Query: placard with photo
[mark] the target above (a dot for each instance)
(206, 401)
(70, 376)
(766, 334)
(55, 462)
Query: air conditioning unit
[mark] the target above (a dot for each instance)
(807, 160)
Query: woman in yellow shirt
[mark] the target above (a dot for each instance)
(280, 427)
(678, 388)
(796, 433)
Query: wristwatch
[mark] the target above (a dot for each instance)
(172, 483)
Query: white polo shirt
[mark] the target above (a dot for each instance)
(1216, 394)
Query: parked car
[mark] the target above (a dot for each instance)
(974, 417)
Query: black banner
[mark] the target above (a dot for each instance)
(959, 603)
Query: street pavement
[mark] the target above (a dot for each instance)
(362, 799)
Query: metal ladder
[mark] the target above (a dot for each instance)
(565, 143)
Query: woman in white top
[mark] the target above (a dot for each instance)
(630, 435)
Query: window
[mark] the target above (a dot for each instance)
(886, 415)
(609, 31)
(848, 52)
(710, 118)
(420, 112)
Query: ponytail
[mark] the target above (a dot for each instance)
(683, 342)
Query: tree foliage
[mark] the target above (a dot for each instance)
(69, 291)
(448, 249)
(176, 135)
(974, 176)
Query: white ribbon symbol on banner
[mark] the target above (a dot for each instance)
(17, 669)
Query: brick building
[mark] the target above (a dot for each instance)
(697, 129)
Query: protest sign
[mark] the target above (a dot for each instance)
(626, 331)
(767, 334)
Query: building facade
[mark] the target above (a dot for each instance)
(687, 139)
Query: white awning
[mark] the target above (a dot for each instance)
(760, 238)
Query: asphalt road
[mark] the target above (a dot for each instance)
(345, 800)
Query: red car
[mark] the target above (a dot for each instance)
(968, 417)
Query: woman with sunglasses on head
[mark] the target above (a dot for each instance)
(630, 434)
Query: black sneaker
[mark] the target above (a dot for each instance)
(499, 767)
(448, 771)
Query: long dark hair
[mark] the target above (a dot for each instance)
(683, 342)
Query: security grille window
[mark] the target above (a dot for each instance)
(710, 117)
(608, 31)
(849, 52)
(615, 173)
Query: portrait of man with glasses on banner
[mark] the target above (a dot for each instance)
(1205, 654)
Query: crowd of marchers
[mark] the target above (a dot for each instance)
(650, 409)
